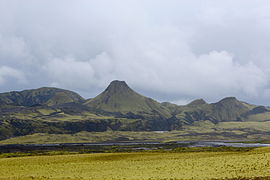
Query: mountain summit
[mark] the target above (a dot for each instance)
(119, 88)
(119, 97)
(197, 102)
(229, 108)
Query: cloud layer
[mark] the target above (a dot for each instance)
(169, 50)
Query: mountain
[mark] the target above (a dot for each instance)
(229, 109)
(119, 108)
(119, 97)
(42, 96)
(197, 102)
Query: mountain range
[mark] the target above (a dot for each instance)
(117, 108)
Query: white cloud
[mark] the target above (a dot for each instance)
(8, 72)
(14, 49)
(69, 72)
(182, 101)
(166, 49)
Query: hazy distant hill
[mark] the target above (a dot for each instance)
(58, 111)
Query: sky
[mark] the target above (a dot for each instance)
(173, 50)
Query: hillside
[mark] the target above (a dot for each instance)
(42, 96)
(119, 97)
(119, 108)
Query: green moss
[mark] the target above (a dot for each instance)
(118, 97)
(42, 96)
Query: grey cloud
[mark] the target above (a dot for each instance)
(170, 50)
(7, 72)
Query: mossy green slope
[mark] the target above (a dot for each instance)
(197, 102)
(119, 97)
(228, 109)
(118, 108)
(42, 96)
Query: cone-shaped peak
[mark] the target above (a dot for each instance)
(118, 87)
(119, 97)
(117, 84)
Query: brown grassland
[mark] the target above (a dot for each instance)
(253, 164)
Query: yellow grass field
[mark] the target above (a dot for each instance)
(140, 166)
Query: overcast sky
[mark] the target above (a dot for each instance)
(170, 50)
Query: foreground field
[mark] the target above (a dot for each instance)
(143, 165)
